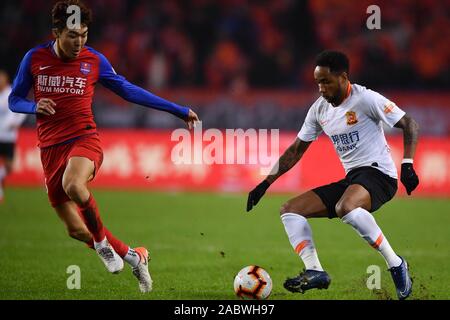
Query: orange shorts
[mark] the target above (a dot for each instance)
(54, 161)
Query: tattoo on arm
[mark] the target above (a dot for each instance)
(289, 158)
(410, 135)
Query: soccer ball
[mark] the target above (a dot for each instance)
(253, 282)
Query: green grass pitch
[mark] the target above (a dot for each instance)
(198, 242)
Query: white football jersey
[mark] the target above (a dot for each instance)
(355, 128)
(9, 121)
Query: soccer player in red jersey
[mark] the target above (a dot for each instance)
(63, 74)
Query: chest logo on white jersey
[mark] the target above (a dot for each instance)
(351, 118)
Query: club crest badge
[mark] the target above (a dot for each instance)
(389, 107)
(85, 68)
(351, 117)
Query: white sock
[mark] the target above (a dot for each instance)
(300, 237)
(364, 223)
(101, 244)
(132, 257)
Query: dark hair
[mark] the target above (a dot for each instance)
(335, 60)
(60, 15)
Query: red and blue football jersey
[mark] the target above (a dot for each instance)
(70, 84)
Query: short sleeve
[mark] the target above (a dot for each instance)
(383, 109)
(311, 128)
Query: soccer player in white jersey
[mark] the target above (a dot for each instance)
(9, 125)
(352, 116)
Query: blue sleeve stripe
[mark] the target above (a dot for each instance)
(132, 93)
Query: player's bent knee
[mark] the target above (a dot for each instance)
(284, 208)
(342, 208)
(74, 189)
(288, 208)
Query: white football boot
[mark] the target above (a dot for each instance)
(110, 258)
(141, 271)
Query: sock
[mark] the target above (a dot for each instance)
(118, 246)
(132, 257)
(365, 225)
(100, 244)
(90, 244)
(125, 252)
(300, 237)
(91, 217)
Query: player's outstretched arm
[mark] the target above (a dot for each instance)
(135, 94)
(290, 157)
(410, 129)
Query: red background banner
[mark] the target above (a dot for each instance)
(141, 159)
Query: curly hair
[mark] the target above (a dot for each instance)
(60, 15)
(335, 60)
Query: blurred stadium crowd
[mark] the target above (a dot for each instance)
(236, 45)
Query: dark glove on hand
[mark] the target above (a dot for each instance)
(409, 177)
(256, 194)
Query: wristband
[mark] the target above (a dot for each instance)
(407, 160)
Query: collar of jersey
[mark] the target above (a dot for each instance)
(348, 93)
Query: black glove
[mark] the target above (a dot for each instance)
(409, 177)
(256, 194)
